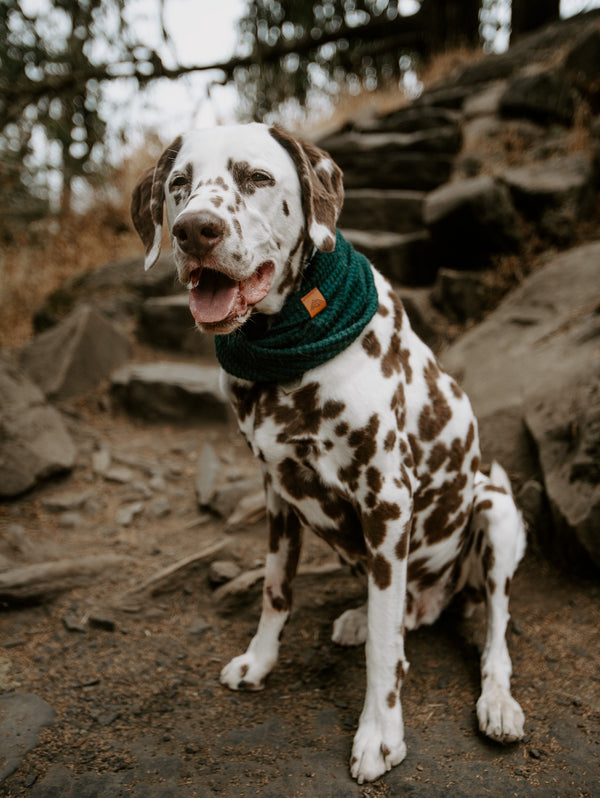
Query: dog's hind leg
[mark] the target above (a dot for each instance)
(500, 540)
(249, 670)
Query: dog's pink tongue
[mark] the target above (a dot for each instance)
(214, 298)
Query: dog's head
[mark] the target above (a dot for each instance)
(245, 206)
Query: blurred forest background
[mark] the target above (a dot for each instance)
(60, 141)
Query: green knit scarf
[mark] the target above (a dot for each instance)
(293, 343)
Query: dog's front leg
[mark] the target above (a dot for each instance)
(379, 741)
(249, 671)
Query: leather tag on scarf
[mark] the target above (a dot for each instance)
(314, 302)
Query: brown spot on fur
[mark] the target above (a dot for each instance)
(374, 480)
(286, 210)
(364, 442)
(375, 522)
(391, 699)
(433, 417)
(371, 345)
(382, 572)
(390, 441)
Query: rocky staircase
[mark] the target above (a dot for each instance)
(389, 164)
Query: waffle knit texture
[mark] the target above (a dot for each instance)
(282, 348)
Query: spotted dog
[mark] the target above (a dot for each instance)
(375, 449)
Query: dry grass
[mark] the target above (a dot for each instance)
(38, 258)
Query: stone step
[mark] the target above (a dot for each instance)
(171, 391)
(419, 161)
(166, 322)
(402, 257)
(396, 211)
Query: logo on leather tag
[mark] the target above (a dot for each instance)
(314, 302)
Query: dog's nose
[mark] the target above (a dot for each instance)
(198, 233)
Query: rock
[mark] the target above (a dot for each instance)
(117, 290)
(404, 258)
(208, 468)
(228, 496)
(484, 102)
(76, 355)
(419, 161)
(543, 97)
(66, 501)
(198, 627)
(414, 118)
(166, 322)
(172, 391)
(22, 718)
(249, 510)
(102, 619)
(34, 443)
(556, 195)
(424, 318)
(470, 221)
(377, 209)
(519, 364)
(159, 507)
(119, 474)
(125, 515)
(566, 428)
(221, 571)
(460, 295)
(101, 460)
(583, 65)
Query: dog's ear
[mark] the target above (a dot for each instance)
(322, 187)
(147, 203)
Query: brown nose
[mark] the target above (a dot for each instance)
(199, 232)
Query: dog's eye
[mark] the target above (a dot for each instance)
(179, 181)
(262, 178)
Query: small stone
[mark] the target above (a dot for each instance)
(101, 460)
(66, 501)
(120, 474)
(222, 571)
(160, 507)
(101, 620)
(71, 520)
(74, 622)
(198, 627)
(125, 515)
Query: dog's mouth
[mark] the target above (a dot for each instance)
(215, 297)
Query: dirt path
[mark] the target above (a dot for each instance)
(140, 712)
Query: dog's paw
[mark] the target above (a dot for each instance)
(373, 755)
(350, 629)
(244, 673)
(499, 715)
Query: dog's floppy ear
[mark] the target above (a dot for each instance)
(322, 187)
(147, 203)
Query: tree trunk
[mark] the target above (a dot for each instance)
(451, 23)
(529, 15)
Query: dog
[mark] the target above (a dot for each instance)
(361, 434)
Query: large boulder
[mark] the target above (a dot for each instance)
(555, 195)
(545, 97)
(535, 359)
(470, 221)
(34, 443)
(75, 355)
(116, 289)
